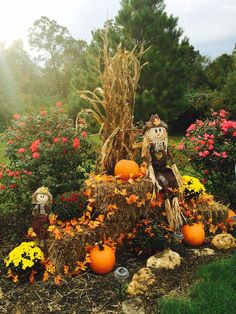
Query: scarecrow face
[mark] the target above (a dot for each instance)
(157, 134)
(42, 198)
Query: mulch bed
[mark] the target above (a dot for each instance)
(91, 293)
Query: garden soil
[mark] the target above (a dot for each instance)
(91, 293)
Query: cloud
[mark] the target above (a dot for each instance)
(209, 24)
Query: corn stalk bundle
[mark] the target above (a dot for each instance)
(113, 104)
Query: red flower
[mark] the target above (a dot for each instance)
(34, 146)
(35, 155)
(43, 113)
(21, 150)
(56, 139)
(16, 116)
(224, 155)
(64, 139)
(206, 171)
(216, 154)
(2, 187)
(76, 143)
(192, 127)
(84, 133)
(12, 185)
(234, 134)
(223, 113)
(59, 104)
(181, 146)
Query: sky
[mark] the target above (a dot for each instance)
(210, 25)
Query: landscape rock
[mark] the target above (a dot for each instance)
(203, 252)
(224, 241)
(133, 306)
(167, 259)
(141, 282)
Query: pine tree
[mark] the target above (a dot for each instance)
(164, 80)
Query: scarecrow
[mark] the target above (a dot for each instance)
(162, 170)
(42, 201)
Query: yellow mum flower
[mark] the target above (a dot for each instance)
(192, 186)
(24, 256)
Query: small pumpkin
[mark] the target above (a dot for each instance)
(194, 235)
(231, 214)
(126, 169)
(102, 259)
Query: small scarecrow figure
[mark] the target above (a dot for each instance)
(161, 168)
(42, 201)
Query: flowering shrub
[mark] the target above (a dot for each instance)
(14, 183)
(147, 237)
(192, 187)
(24, 259)
(211, 148)
(51, 152)
(69, 205)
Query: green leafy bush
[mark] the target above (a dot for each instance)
(69, 205)
(147, 237)
(211, 147)
(44, 149)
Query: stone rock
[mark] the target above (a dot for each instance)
(203, 252)
(133, 306)
(167, 259)
(141, 282)
(224, 241)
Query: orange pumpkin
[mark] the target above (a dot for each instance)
(194, 234)
(126, 169)
(102, 258)
(230, 221)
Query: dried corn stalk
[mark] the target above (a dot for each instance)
(113, 104)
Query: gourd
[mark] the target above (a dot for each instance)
(194, 235)
(102, 259)
(126, 169)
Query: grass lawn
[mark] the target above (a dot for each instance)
(214, 292)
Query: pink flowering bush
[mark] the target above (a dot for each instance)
(46, 146)
(211, 147)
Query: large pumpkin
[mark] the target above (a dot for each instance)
(102, 259)
(231, 214)
(126, 169)
(194, 234)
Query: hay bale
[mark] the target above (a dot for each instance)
(129, 204)
(70, 249)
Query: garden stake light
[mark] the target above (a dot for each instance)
(121, 274)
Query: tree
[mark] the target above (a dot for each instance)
(164, 80)
(217, 71)
(230, 88)
(49, 37)
(19, 81)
